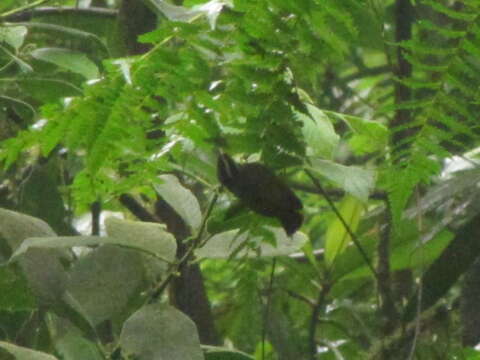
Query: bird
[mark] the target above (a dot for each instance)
(259, 189)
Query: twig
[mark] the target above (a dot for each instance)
(195, 244)
(26, 14)
(137, 209)
(267, 306)
(96, 210)
(23, 8)
(297, 296)
(314, 319)
(342, 220)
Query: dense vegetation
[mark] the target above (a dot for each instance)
(117, 240)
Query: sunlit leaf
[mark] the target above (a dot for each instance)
(337, 237)
(354, 180)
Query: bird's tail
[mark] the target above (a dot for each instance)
(291, 222)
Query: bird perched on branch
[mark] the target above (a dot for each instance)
(261, 190)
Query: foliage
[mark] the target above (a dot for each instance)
(310, 89)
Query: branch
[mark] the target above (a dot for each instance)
(312, 332)
(342, 220)
(137, 209)
(29, 14)
(195, 243)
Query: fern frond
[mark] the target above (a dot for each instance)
(445, 80)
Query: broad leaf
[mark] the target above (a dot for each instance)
(122, 274)
(337, 237)
(22, 353)
(147, 237)
(69, 60)
(42, 267)
(160, 332)
(319, 133)
(368, 136)
(225, 244)
(180, 199)
(354, 180)
(13, 35)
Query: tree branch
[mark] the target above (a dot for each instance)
(29, 14)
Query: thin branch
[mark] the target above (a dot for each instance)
(302, 258)
(21, 9)
(387, 306)
(137, 209)
(300, 297)
(373, 71)
(96, 210)
(312, 332)
(342, 220)
(196, 243)
(267, 307)
(28, 14)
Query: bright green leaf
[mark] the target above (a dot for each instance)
(318, 132)
(368, 136)
(354, 180)
(409, 255)
(337, 237)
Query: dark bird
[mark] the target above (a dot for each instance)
(261, 190)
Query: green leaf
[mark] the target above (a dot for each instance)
(16, 227)
(354, 180)
(368, 136)
(210, 10)
(72, 346)
(225, 244)
(160, 332)
(16, 296)
(452, 262)
(180, 199)
(22, 353)
(337, 237)
(122, 274)
(13, 35)
(42, 267)
(67, 59)
(409, 255)
(148, 237)
(318, 132)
